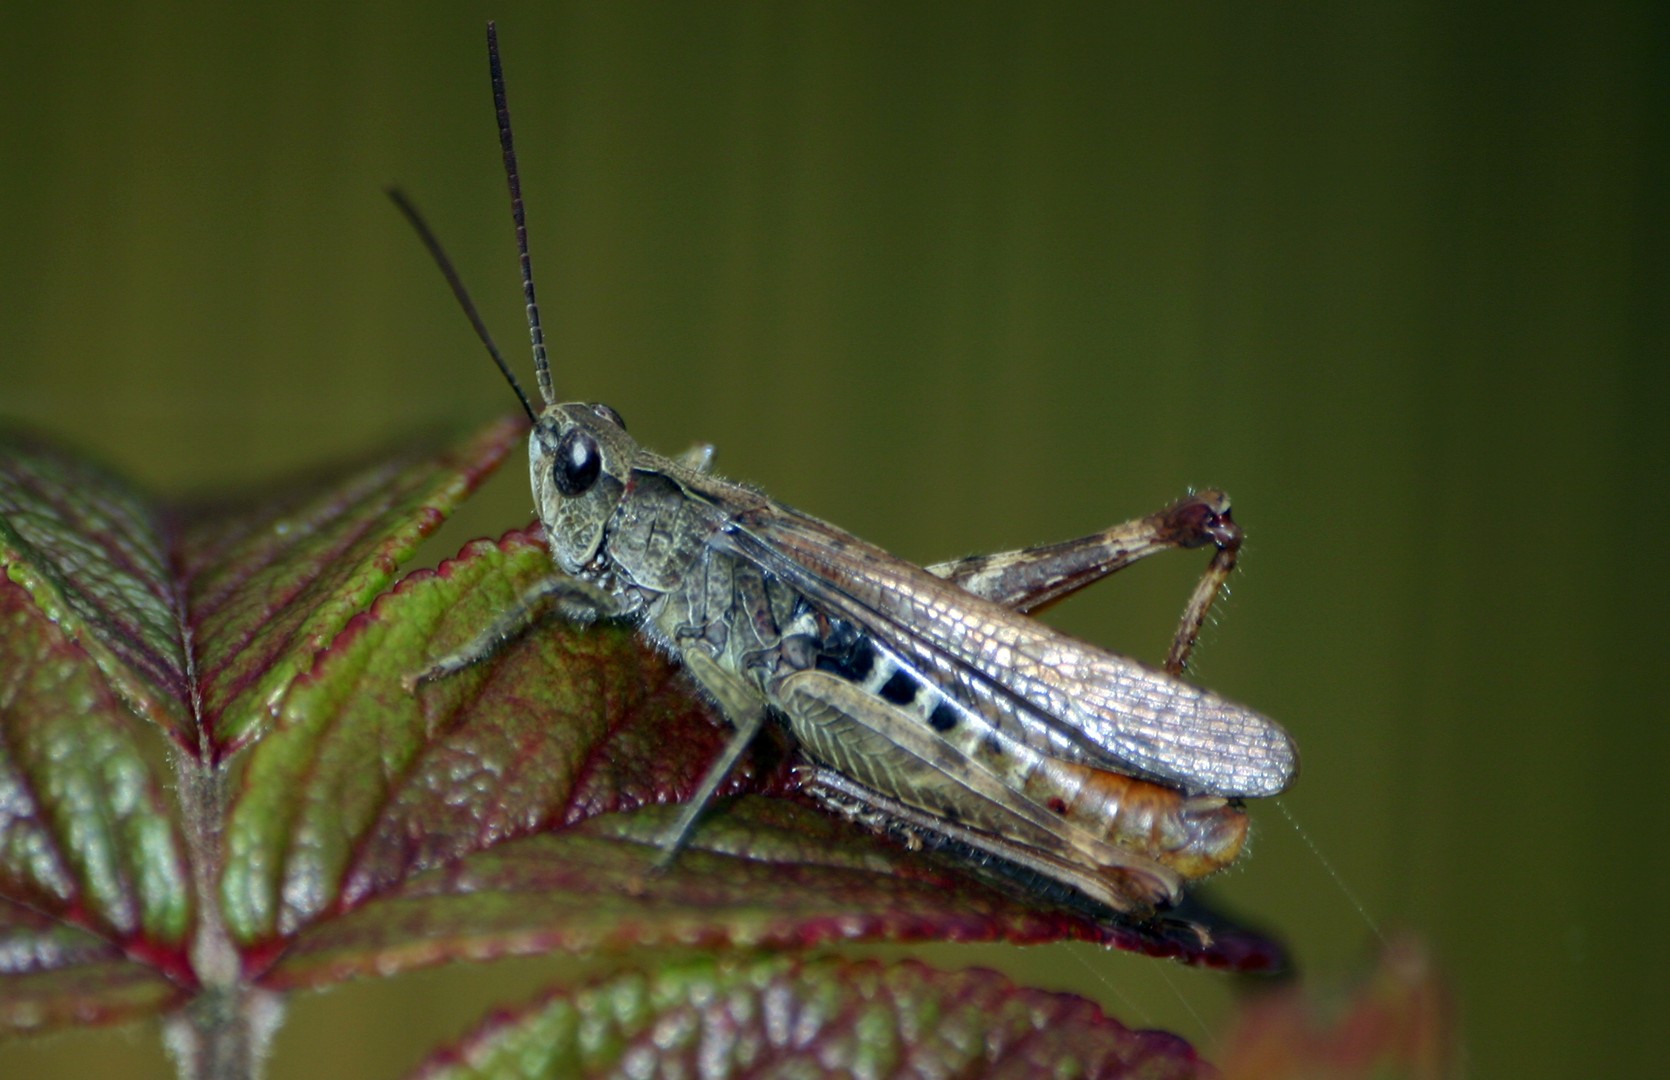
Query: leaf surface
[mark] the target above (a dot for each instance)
(52, 974)
(108, 600)
(95, 904)
(779, 1017)
(93, 553)
(199, 617)
(269, 582)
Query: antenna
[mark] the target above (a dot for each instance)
(439, 254)
(541, 365)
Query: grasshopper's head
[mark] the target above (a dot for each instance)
(579, 458)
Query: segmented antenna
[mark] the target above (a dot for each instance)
(541, 365)
(439, 254)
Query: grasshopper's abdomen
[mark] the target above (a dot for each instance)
(1191, 835)
(914, 752)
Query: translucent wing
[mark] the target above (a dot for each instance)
(1063, 696)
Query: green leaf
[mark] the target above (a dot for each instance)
(93, 553)
(52, 974)
(132, 636)
(199, 617)
(780, 1017)
(92, 869)
(268, 583)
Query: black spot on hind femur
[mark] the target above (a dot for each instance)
(944, 717)
(900, 688)
(576, 464)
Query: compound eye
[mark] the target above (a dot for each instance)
(576, 464)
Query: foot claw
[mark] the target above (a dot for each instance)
(412, 681)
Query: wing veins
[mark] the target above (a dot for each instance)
(1132, 718)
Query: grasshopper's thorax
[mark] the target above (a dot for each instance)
(614, 513)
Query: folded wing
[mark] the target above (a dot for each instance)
(1062, 696)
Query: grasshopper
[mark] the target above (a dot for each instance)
(926, 699)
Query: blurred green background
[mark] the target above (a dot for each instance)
(962, 277)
